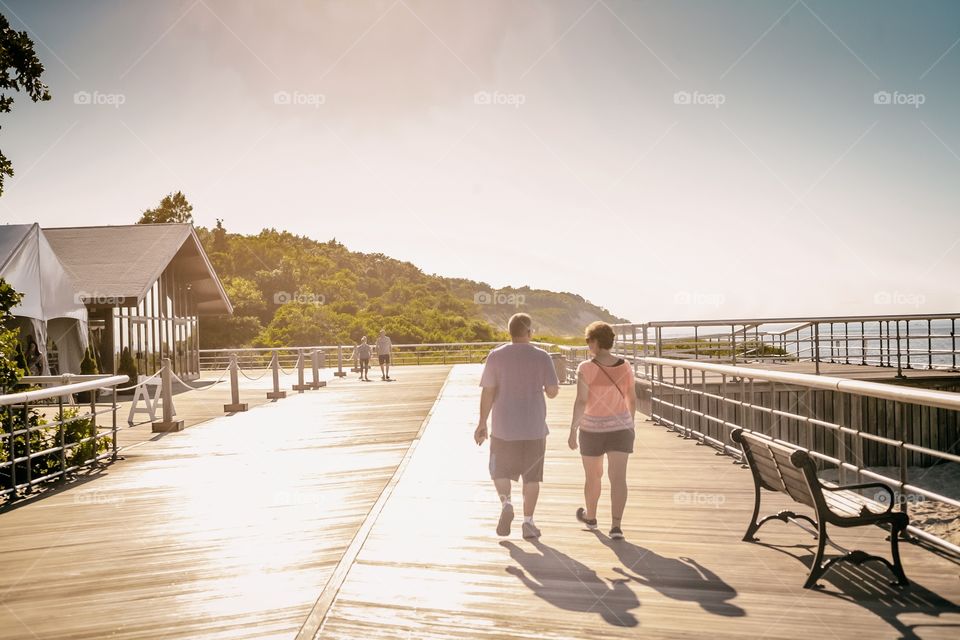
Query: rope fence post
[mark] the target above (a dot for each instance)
(301, 385)
(169, 422)
(340, 373)
(235, 404)
(276, 394)
(315, 364)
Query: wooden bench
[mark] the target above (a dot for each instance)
(776, 467)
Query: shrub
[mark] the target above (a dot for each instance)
(128, 366)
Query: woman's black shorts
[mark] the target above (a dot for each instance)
(597, 443)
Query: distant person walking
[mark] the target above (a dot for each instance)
(604, 414)
(361, 355)
(515, 379)
(384, 345)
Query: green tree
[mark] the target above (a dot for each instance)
(173, 208)
(20, 69)
(9, 371)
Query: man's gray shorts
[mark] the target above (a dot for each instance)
(515, 458)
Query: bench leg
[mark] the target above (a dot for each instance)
(816, 568)
(897, 567)
(754, 525)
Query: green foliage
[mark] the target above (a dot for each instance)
(78, 429)
(173, 208)
(289, 290)
(88, 366)
(127, 367)
(13, 364)
(20, 69)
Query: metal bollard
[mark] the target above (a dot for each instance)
(340, 373)
(276, 394)
(301, 385)
(169, 422)
(315, 363)
(235, 404)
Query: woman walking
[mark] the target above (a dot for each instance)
(361, 354)
(604, 415)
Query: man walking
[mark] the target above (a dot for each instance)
(515, 379)
(383, 354)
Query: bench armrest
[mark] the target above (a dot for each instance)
(866, 485)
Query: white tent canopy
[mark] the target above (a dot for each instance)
(51, 309)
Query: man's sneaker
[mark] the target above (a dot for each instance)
(616, 533)
(530, 530)
(582, 517)
(506, 517)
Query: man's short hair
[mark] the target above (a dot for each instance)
(602, 333)
(520, 325)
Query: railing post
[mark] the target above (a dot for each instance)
(863, 342)
(276, 394)
(315, 365)
(301, 385)
(816, 347)
(340, 373)
(169, 422)
(63, 439)
(235, 404)
(899, 364)
(113, 425)
(733, 342)
(953, 341)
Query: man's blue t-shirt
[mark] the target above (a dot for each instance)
(519, 371)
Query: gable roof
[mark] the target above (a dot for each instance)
(123, 261)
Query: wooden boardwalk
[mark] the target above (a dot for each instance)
(343, 512)
(433, 567)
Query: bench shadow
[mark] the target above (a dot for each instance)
(569, 584)
(869, 586)
(677, 578)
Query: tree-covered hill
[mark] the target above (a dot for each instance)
(291, 290)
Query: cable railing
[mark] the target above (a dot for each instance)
(707, 401)
(336, 355)
(901, 342)
(36, 448)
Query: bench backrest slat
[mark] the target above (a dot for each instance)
(773, 464)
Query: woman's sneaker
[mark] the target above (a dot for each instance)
(582, 517)
(530, 531)
(616, 533)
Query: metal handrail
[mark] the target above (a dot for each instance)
(26, 397)
(683, 417)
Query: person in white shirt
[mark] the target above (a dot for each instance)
(383, 354)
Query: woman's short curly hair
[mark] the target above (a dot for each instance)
(602, 333)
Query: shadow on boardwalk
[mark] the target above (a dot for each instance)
(549, 573)
(678, 578)
(870, 586)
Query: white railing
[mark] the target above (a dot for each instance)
(34, 449)
(707, 401)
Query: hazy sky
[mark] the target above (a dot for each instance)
(663, 159)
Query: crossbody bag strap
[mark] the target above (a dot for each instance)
(609, 377)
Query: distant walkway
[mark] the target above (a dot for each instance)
(433, 566)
